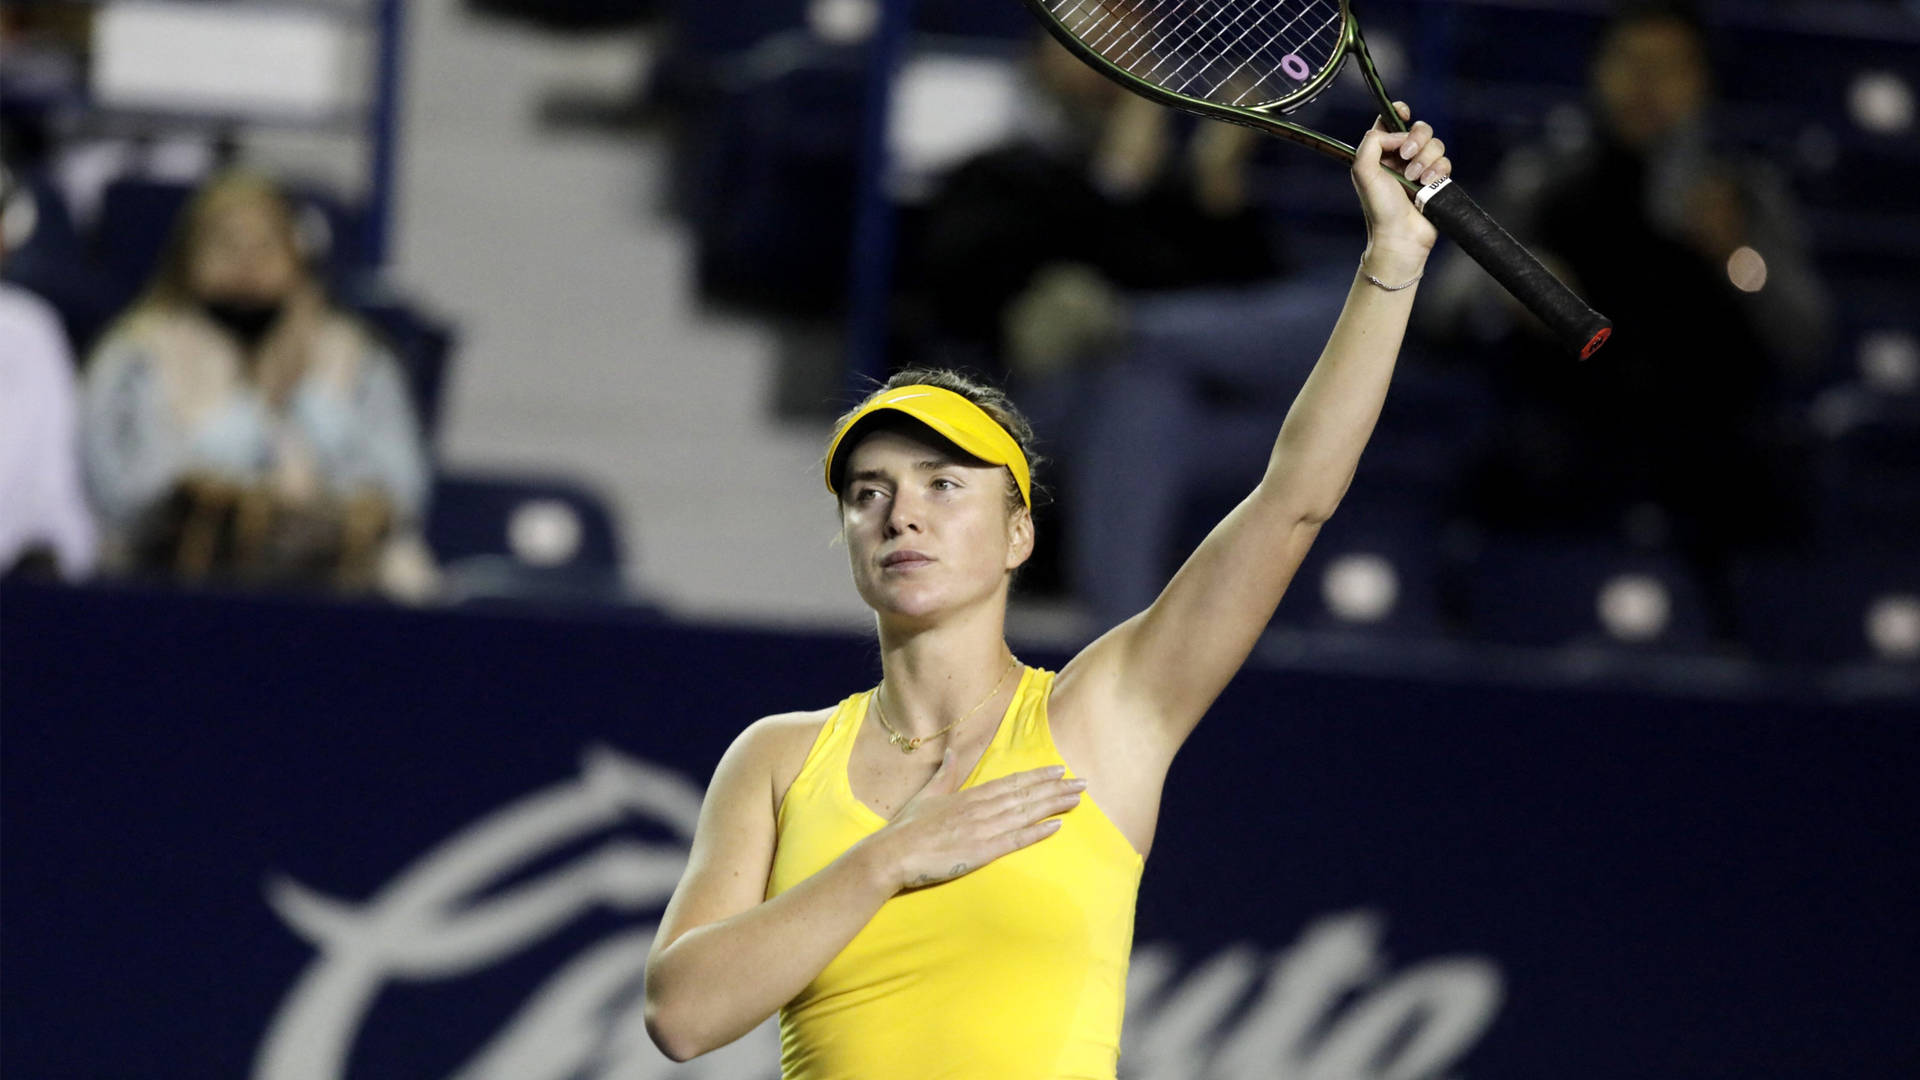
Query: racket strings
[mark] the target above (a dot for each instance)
(1208, 47)
(1195, 24)
(1124, 33)
(1126, 52)
(1294, 51)
(1212, 57)
(1191, 49)
(1103, 29)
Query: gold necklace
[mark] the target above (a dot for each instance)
(907, 744)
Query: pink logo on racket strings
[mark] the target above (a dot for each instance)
(1324, 1007)
(1295, 68)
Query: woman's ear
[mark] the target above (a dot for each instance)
(1019, 537)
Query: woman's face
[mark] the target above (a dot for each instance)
(925, 533)
(243, 252)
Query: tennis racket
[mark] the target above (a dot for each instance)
(1251, 61)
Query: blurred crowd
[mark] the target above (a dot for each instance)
(1151, 287)
(231, 422)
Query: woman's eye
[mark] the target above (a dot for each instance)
(944, 484)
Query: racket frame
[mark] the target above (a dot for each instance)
(1268, 115)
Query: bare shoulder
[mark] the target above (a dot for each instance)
(734, 843)
(775, 747)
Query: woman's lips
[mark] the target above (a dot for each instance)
(905, 560)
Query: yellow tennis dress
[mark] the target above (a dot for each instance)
(1016, 971)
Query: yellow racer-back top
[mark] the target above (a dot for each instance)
(1016, 971)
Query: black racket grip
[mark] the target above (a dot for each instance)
(1572, 323)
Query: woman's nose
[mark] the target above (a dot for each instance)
(903, 515)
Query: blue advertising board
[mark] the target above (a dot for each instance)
(308, 841)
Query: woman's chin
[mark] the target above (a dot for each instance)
(918, 607)
(905, 600)
(910, 600)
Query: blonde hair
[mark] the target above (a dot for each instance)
(171, 286)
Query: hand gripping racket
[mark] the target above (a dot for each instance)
(1249, 62)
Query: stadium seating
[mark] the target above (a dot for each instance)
(524, 539)
(704, 40)
(1547, 592)
(1375, 569)
(1854, 609)
(1869, 474)
(421, 343)
(771, 178)
(54, 262)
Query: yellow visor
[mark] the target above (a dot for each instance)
(950, 416)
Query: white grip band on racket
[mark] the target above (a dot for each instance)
(1429, 191)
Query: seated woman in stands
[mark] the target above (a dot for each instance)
(238, 425)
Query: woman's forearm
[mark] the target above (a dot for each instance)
(717, 982)
(1333, 415)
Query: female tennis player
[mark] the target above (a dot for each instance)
(936, 877)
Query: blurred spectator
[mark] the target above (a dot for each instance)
(1024, 250)
(1677, 432)
(1110, 262)
(43, 80)
(238, 425)
(44, 520)
(1180, 412)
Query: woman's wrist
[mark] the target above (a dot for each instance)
(1393, 263)
(875, 864)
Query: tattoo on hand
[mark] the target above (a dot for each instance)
(928, 879)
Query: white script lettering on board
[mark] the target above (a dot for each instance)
(1324, 1008)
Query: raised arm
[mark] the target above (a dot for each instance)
(1159, 671)
(726, 957)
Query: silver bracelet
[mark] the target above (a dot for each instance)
(1408, 284)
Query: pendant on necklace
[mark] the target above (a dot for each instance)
(906, 745)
